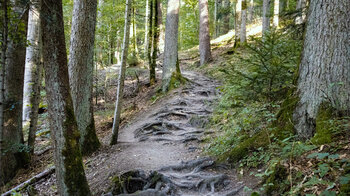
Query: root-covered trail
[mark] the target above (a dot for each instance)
(159, 151)
(165, 139)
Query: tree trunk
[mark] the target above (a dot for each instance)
(276, 11)
(33, 73)
(11, 156)
(161, 28)
(244, 22)
(250, 11)
(216, 6)
(238, 21)
(65, 135)
(227, 16)
(118, 104)
(150, 32)
(146, 28)
(266, 16)
(171, 43)
(324, 72)
(81, 70)
(4, 175)
(153, 64)
(204, 36)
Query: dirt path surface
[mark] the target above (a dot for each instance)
(159, 151)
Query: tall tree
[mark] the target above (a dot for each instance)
(160, 27)
(324, 72)
(33, 72)
(227, 16)
(266, 16)
(238, 21)
(171, 64)
(146, 44)
(125, 48)
(204, 36)
(65, 135)
(155, 41)
(276, 12)
(244, 22)
(81, 68)
(11, 135)
(250, 11)
(216, 14)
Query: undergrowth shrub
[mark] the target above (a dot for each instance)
(267, 71)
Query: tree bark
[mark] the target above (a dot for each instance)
(238, 21)
(227, 16)
(150, 37)
(276, 12)
(324, 72)
(244, 22)
(118, 104)
(250, 11)
(216, 6)
(161, 27)
(171, 43)
(266, 16)
(33, 73)
(11, 156)
(65, 135)
(204, 36)
(155, 40)
(146, 28)
(81, 70)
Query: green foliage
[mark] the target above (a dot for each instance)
(269, 67)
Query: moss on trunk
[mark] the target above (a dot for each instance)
(74, 177)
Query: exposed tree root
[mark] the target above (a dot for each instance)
(31, 181)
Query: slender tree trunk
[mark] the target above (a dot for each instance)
(11, 157)
(81, 70)
(118, 104)
(266, 16)
(146, 28)
(171, 43)
(244, 22)
(226, 21)
(250, 11)
(324, 72)
(65, 135)
(153, 64)
(150, 32)
(216, 18)
(99, 49)
(160, 27)
(204, 34)
(238, 21)
(4, 175)
(33, 72)
(276, 11)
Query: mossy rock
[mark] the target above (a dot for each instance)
(258, 140)
(129, 182)
(276, 181)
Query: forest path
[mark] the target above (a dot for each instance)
(166, 138)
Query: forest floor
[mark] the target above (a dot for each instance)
(160, 132)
